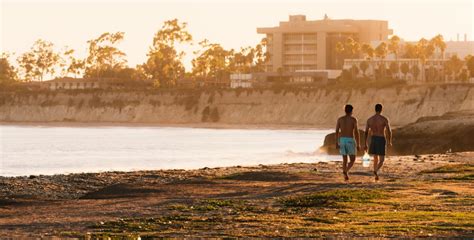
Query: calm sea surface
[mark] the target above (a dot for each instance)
(33, 150)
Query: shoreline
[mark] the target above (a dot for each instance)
(165, 169)
(171, 125)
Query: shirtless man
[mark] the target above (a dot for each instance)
(346, 128)
(378, 125)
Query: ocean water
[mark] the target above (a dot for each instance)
(34, 150)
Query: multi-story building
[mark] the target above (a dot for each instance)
(300, 45)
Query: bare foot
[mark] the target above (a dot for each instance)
(346, 177)
(376, 176)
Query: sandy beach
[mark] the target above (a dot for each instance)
(417, 196)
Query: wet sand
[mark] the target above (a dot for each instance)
(414, 198)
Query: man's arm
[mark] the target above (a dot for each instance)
(356, 134)
(338, 127)
(367, 128)
(389, 133)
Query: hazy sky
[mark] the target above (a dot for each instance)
(232, 23)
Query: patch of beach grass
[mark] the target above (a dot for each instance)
(262, 176)
(332, 198)
(411, 221)
(465, 177)
(215, 204)
(453, 168)
(321, 220)
(141, 225)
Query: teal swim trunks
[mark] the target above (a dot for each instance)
(347, 146)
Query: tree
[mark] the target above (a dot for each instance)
(40, 61)
(463, 76)
(213, 61)
(349, 48)
(7, 71)
(260, 56)
(393, 45)
(241, 61)
(131, 74)
(432, 74)
(454, 65)
(404, 68)
(71, 64)
(164, 61)
(394, 68)
(364, 66)
(104, 58)
(381, 53)
(339, 52)
(439, 43)
(26, 62)
(470, 64)
(424, 50)
(355, 71)
(410, 51)
(354, 47)
(415, 71)
(367, 50)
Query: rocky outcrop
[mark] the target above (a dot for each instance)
(451, 132)
(319, 108)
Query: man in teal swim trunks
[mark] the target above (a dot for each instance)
(346, 129)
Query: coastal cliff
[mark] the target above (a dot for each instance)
(316, 107)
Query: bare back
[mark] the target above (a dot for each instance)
(377, 124)
(347, 125)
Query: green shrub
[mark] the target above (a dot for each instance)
(332, 197)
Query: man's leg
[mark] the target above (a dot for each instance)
(351, 163)
(382, 159)
(376, 166)
(344, 167)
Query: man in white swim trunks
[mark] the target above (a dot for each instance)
(346, 129)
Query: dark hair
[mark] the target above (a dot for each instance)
(378, 107)
(348, 108)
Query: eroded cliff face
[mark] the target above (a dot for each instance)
(319, 108)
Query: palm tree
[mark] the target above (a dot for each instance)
(355, 48)
(410, 51)
(405, 69)
(439, 43)
(354, 71)
(364, 66)
(339, 50)
(470, 64)
(454, 65)
(424, 50)
(393, 45)
(381, 53)
(352, 47)
(416, 71)
(367, 50)
(394, 68)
